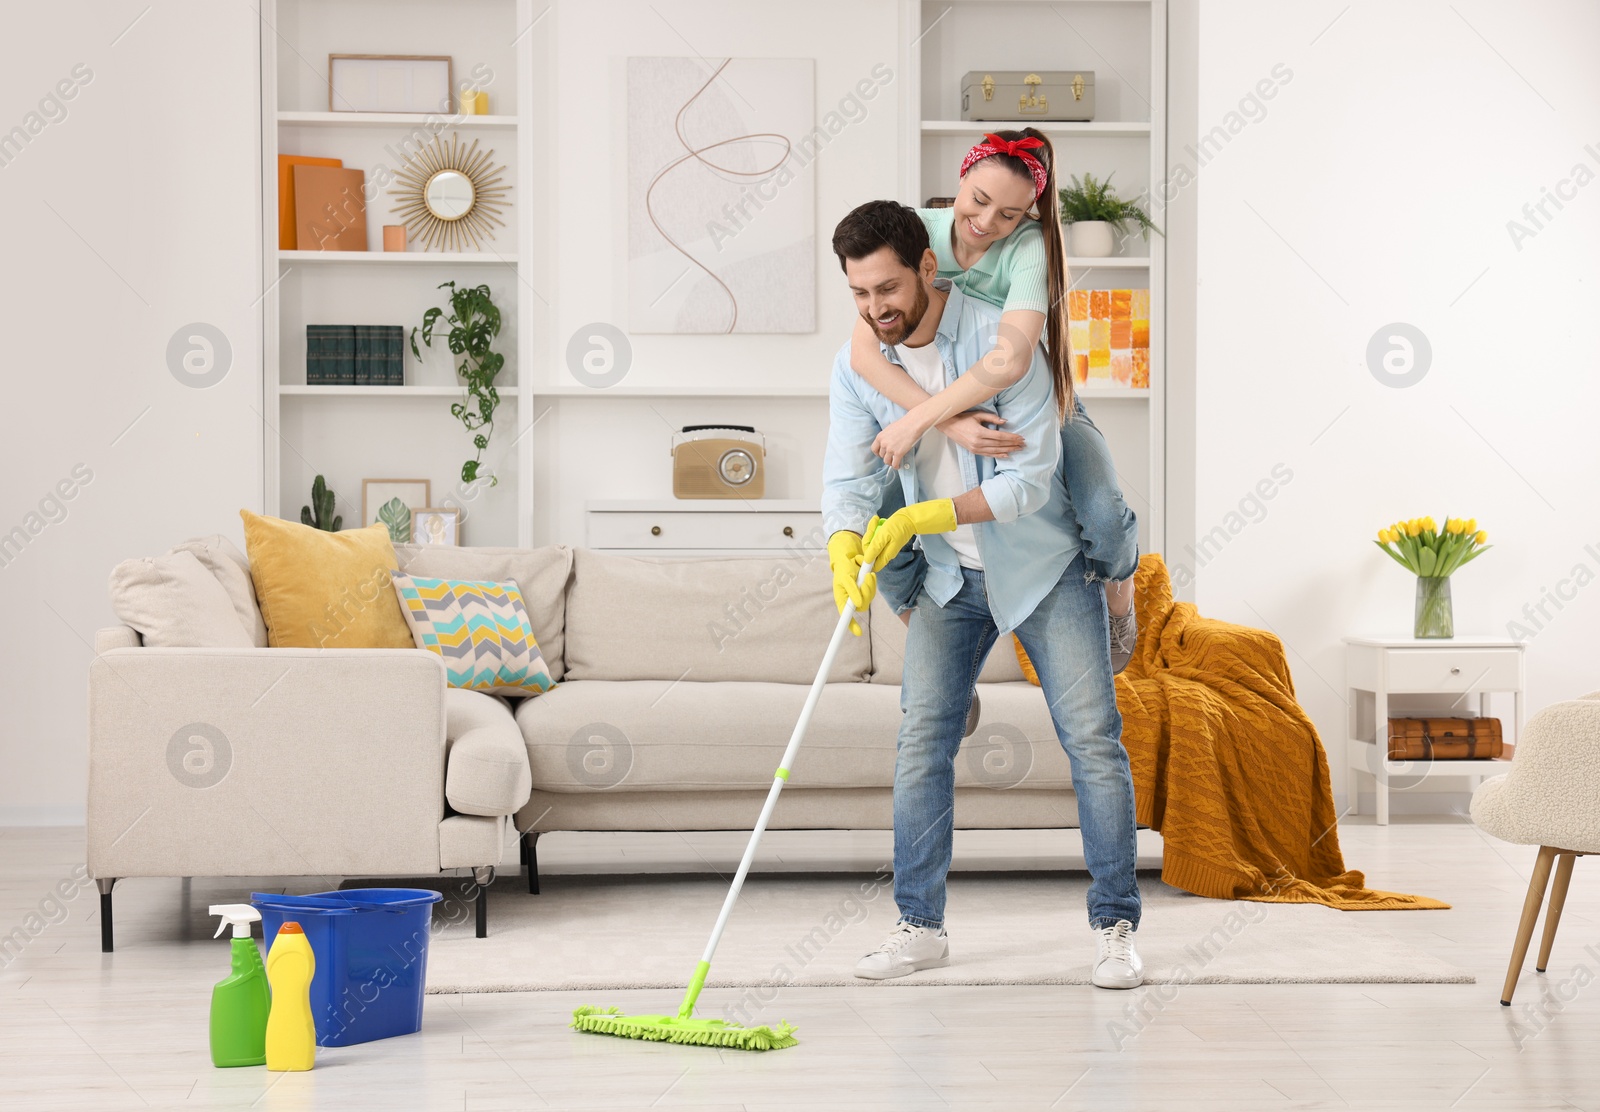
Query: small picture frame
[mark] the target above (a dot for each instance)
(391, 83)
(436, 525)
(375, 493)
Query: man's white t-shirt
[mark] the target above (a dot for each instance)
(938, 465)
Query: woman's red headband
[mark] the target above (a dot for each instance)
(1016, 148)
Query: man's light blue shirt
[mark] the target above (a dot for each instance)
(1033, 536)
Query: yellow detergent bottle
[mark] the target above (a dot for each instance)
(291, 1032)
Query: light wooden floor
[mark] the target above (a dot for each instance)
(79, 1029)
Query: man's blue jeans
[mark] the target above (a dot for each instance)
(1066, 640)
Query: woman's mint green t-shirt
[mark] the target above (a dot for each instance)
(1010, 275)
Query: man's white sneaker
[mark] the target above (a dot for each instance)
(1116, 962)
(907, 950)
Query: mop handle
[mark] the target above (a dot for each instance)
(781, 777)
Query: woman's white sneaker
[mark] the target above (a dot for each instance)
(1116, 962)
(907, 950)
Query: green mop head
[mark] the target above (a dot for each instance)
(669, 1028)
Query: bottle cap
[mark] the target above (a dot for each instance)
(291, 928)
(240, 915)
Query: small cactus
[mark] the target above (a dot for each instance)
(322, 499)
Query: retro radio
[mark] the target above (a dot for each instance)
(714, 461)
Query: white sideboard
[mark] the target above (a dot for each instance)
(699, 527)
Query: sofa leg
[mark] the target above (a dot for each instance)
(105, 885)
(530, 858)
(483, 877)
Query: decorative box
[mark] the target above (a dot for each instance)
(1023, 95)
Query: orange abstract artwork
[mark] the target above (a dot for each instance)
(1108, 334)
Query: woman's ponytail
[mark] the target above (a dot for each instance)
(1055, 256)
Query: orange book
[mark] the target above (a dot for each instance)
(330, 209)
(286, 225)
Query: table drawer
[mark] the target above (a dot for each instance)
(1423, 670)
(668, 530)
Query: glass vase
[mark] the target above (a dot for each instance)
(1434, 617)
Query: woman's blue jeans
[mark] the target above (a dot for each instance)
(1065, 638)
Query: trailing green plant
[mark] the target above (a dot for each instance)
(320, 515)
(396, 517)
(1096, 200)
(474, 323)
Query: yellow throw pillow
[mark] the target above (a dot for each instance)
(321, 590)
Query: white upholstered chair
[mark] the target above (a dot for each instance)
(1549, 799)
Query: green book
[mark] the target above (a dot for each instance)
(365, 363)
(395, 354)
(344, 359)
(322, 353)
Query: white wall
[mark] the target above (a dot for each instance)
(1377, 188)
(618, 448)
(127, 216)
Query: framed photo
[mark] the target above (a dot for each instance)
(433, 525)
(377, 496)
(391, 83)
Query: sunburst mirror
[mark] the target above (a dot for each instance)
(450, 195)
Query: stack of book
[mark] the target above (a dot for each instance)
(355, 355)
(1446, 739)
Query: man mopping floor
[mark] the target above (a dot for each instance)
(1001, 554)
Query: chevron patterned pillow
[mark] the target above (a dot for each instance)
(481, 630)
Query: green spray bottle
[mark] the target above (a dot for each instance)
(240, 1001)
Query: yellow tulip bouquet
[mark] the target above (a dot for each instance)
(1433, 555)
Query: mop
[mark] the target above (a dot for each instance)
(683, 1027)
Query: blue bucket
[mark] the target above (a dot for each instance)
(371, 946)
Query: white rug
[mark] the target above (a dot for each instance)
(626, 932)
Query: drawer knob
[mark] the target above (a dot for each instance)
(655, 530)
(1455, 671)
(788, 530)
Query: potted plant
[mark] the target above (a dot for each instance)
(1432, 555)
(1092, 211)
(474, 323)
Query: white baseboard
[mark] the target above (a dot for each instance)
(62, 814)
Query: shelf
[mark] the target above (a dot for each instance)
(703, 505)
(392, 119)
(298, 390)
(1471, 767)
(572, 390)
(1124, 392)
(1109, 262)
(401, 258)
(1091, 129)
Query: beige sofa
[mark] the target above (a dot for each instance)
(680, 683)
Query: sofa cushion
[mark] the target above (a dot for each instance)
(664, 736)
(174, 602)
(889, 651)
(479, 628)
(321, 590)
(486, 771)
(763, 619)
(223, 559)
(541, 573)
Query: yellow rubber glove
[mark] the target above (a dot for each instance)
(844, 558)
(887, 538)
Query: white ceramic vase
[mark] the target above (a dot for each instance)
(1093, 239)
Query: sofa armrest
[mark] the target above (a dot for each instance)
(116, 637)
(242, 762)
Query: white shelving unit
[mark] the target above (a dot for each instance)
(1124, 42)
(349, 433)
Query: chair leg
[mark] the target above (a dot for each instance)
(483, 877)
(1530, 915)
(1552, 914)
(105, 884)
(530, 857)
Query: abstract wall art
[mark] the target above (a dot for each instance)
(1108, 337)
(721, 195)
